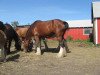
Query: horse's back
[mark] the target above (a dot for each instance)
(52, 23)
(41, 27)
(47, 27)
(21, 31)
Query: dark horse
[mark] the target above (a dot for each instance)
(11, 35)
(44, 29)
(2, 42)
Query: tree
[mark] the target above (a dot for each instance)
(14, 24)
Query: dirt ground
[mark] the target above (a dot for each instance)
(84, 59)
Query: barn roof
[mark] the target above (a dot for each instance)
(80, 23)
(96, 9)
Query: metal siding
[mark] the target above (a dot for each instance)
(76, 34)
(96, 8)
(95, 31)
(98, 24)
(80, 23)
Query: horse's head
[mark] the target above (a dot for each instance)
(25, 44)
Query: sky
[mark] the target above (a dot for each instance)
(28, 11)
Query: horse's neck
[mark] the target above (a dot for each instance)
(28, 35)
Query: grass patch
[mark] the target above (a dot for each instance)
(85, 42)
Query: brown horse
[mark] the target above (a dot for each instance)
(21, 31)
(2, 44)
(44, 29)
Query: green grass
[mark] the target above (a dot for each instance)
(86, 42)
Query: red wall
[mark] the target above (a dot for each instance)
(76, 33)
(98, 25)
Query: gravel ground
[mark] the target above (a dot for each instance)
(84, 59)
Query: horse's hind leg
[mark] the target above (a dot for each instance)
(66, 47)
(45, 43)
(62, 52)
(3, 55)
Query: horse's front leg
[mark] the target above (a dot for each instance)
(18, 45)
(7, 46)
(45, 43)
(37, 43)
(3, 54)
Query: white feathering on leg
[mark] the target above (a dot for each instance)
(38, 51)
(62, 52)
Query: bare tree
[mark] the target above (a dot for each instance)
(14, 24)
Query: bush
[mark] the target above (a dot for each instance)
(69, 38)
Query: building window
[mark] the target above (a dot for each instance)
(87, 31)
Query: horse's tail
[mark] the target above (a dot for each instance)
(66, 25)
(14, 35)
(17, 40)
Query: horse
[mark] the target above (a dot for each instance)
(2, 26)
(11, 35)
(45, 29)
(2, 44)
(21, 31)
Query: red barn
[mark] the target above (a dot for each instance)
(96, 21)
(79, 30)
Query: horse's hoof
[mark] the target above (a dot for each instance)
(61, 56)
(3, 60)
(26, 52)
(68, 51)
(38, 53)
(22, 50)
(8, 53)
